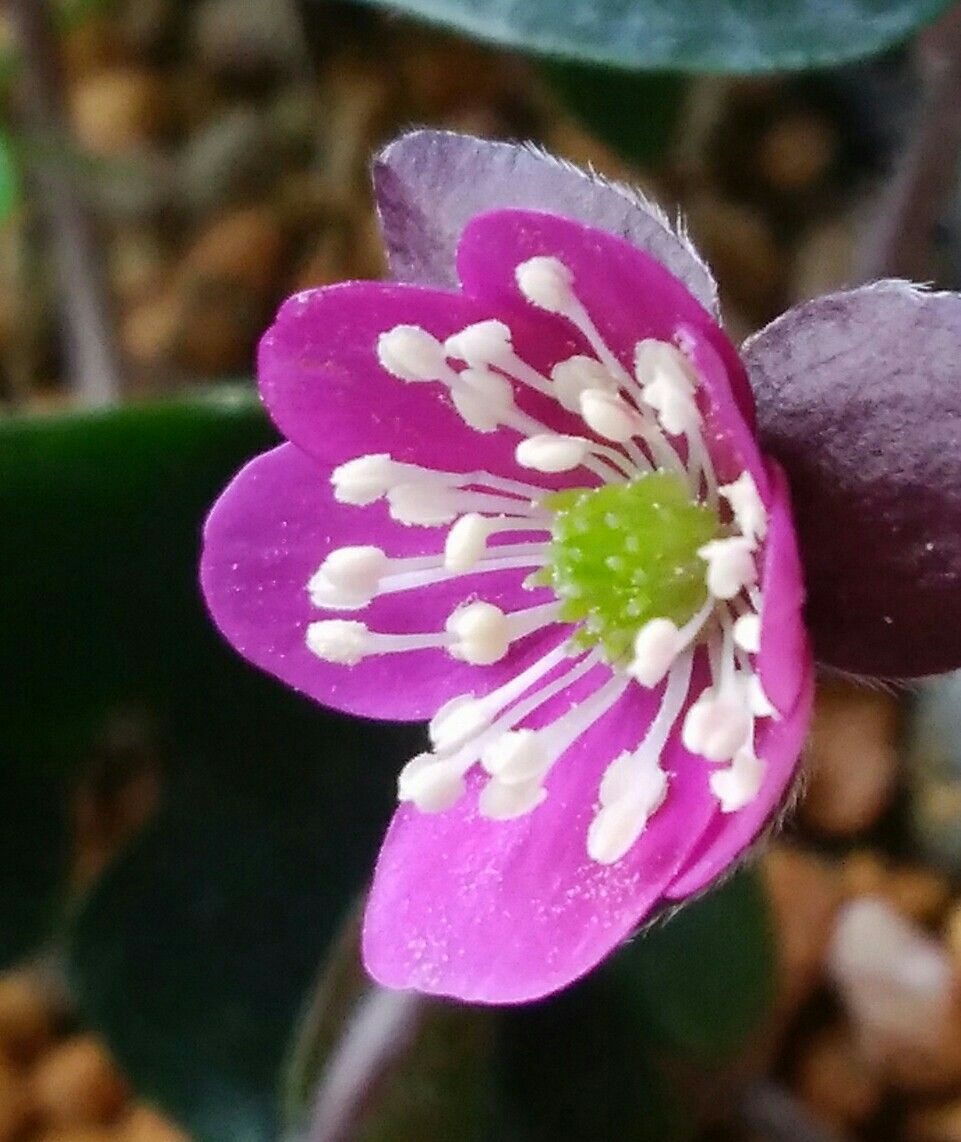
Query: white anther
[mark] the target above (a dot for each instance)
(546, 283)
(577, 374)
(483, 343)
(422, 505)
(717, 725)
(430, 783)
(466, 542)
(613, 831)
(412, 354)
(484, 399)
(750, 514)
(338, 640)
(739, 784)
(481, 633)
(457, 721)
(551, 452)
(609, 415)
(675, 407)
(730, 566)
(501, 802)
(668, 384)
(760, 703)
(747, 632)
(516, 757)
(618, 778)
(656, 646)
(660, 360)
(365, 479)
(631, 791)
(348, 577)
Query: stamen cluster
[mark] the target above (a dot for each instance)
(649, 559)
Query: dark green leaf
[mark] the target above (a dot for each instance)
(425, 1072)
(100, 514)
(704, 980)
(634, 114)
(685, 35)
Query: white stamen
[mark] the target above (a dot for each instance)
(668, 385)
(718, 724)
(484, 399)
(617, 826)
(501, 802)
(483, 343)
(634, 785)
(457, 721)
(412, 354)
(423, 505)
(659, 642)
(540, 751)
(654, 359)
(656, 646)
(432, 505)
(515, 758)
(465, 725)
(481, 632)
(730, 566)
(552, 452)
(609, 415)
(466, 542)
(747, 506)
(465, 716)
(430, 783)
(504, 558)
(760, 703)
(676, 408)
(739, 784)
(365, 479)
(577, 374)
(747, 632)
(546, 283)
(348, 578)
(339, 640)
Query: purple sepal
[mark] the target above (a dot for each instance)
(859, 397)
(429, 184)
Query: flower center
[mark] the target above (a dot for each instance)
(623, 554)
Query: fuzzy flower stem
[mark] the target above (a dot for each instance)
(93, 367)
(380, 1030)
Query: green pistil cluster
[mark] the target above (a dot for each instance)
(623, 554)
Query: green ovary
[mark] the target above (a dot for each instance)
(623, 554)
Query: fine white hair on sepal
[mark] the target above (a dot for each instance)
(635, 197)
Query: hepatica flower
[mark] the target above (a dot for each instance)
(533, 496)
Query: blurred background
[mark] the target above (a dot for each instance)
(182, 844)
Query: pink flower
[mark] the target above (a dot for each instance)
(531, 509)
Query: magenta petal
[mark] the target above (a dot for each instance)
(429, 184)
(505, 912)
(784, 658)
(270, 531)
(628, 293)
